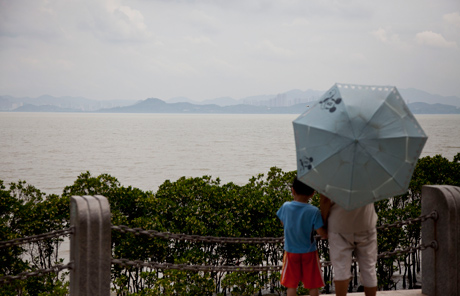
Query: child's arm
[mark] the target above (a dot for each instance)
(324, 205)
(322, 231)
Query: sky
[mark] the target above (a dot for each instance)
(205, 49)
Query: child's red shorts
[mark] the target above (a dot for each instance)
(305, 268)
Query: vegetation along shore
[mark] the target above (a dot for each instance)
(199, 206)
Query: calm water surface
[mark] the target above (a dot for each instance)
(50, 150)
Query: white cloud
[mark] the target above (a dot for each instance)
(381, 35)
(392, 41)
(386, 37)
(452, 18)
(434, 40)
(105, 20)
(127, 25)
(131, 17)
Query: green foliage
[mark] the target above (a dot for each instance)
(177, 282)
(244, 284)
(26, 211)
(435, 170)
(88, 185)
(201, 206)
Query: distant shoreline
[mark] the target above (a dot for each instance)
(290, 102)
(156, 106)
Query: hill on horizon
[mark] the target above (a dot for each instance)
(279, 103)
(154, 105)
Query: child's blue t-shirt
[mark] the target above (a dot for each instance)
(299, 222)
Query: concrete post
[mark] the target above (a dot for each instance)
(440, 268)
(90, 246)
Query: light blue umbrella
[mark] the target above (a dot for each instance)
(358, 144)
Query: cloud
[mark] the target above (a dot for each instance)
(386, 37)
(38, 20)
(381, 35)
(452, 18)
(130, 17)
(434, 40)
(110, 21)
(212, 48)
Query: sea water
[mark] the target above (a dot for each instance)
(50, 150)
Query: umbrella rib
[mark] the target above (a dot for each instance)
(407, 139)
(379, 162)
(372, 117)
(331, 133)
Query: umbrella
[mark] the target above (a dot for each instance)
(358, 144)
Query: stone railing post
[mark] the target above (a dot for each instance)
(90, 246)
(440, 267)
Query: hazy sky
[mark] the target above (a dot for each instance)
(203, 49)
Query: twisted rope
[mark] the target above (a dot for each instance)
(195, 238)
(198, 238)
(433, 215)
(38, 272)
(165, 266)
(35, 238)
(244, 240)
(432, 244)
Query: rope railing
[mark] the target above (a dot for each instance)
(261, 240)
(39, 272)
(433, 215)
(193, 238)
(384, 255)
(36, 238)
(165, 266)
(246, 240)
(433, 244)
(91, 253)
(232, 268)
(198, 238)
(31, 239)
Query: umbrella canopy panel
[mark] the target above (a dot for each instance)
(358, 144)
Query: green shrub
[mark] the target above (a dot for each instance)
(200, 206)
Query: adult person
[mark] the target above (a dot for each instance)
(350, 231)
(301, 261)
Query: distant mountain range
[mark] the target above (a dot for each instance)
(153, 105)
(291, 102)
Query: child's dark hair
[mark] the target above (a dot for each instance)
(302, 188)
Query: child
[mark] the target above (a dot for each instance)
(301, 261)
